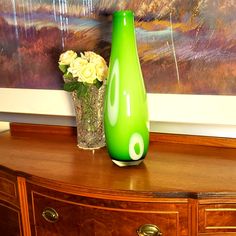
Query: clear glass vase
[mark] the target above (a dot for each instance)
(89, 118)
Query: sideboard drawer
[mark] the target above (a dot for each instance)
(60, 214)
(217, 218)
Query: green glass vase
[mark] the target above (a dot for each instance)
(126, 121)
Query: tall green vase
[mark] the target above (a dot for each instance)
(126, 121)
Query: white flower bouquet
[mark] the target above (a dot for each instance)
(85, 77)
(80, 72)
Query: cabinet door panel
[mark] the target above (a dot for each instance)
(85, 219)
(217, 218)
(9, 221)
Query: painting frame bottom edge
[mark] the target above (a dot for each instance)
(208, 115)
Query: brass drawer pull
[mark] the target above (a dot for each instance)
(50, 215)
(149, 230)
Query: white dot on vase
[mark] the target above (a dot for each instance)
(136, 146)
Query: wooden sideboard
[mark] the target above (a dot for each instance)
(50, 187)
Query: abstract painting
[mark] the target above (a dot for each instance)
(185, 46)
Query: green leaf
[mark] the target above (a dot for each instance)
(68, 76)
(98, 83)
(71, 86)
(81, 90)
(63, 68)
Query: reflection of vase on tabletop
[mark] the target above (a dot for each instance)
(89, 118)
(126, 113)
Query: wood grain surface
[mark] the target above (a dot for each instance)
(169, 170)
(20, 128)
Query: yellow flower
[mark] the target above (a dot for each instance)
(100, 64)
(90, 55)
(94, 58)
(101, 71)
(76, 65)
(87, 73)
(86, 68)
(67, 57)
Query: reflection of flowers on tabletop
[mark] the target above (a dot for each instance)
(82, 71)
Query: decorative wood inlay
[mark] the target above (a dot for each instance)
(221, 227)
(33, 193)
(220, 209)
(24, 206)
(214, 201)
(7, 187)
(218, 215)
(217, 234)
